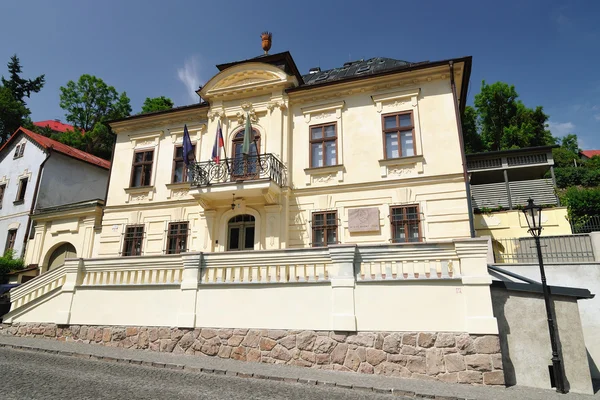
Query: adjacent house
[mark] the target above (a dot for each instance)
(54, 125)
(587, 154)
(38, 174)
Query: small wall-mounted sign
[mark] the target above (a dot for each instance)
(363, 219)
(115, 228)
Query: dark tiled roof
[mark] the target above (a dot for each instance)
(353, 69)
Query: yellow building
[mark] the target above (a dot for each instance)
(366, 153)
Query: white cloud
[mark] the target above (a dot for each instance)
(189, 75)
(561, 128)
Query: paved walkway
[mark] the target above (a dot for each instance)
(363, 382)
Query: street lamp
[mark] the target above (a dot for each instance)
(533, 215)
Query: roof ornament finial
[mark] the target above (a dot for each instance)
(266, 41)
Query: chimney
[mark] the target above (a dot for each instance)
(314, 70)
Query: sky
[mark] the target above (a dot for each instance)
(550, 50)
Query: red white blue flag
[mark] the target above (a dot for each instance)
(219, 143)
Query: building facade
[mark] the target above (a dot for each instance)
(372, 157)
(38, 174)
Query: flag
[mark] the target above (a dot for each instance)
(187, 147)
(247, 136)
(216, 153)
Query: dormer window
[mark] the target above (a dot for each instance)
(19, 150)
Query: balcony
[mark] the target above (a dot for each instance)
(249, 176)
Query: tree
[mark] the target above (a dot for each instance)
(13, 114)
(570, 143)
(471, 137)
(20, 87)
(89, 103)
(157, 104)
(500, 121)
(13, 109)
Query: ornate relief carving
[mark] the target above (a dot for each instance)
(400, 171)
(179, 193)
(324, 178)
(216, 114)
(149, 142)
(396, 103)
(241, 117)
(139, 197)
(324, 115)
(274, 104)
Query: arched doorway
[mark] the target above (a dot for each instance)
(245, 167)
(58, 256)
(240, 233)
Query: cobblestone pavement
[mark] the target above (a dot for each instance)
(31, 375)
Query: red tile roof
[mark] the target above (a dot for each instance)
(48, 143)
(590, 153)
(56, 126)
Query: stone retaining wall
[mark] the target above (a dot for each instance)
(447, 357)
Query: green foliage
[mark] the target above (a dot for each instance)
(19, 86)
(89, 103)
(471, 137)
(564, 157)
(8, 263)
(157, 104)
(13, 110)
(582, 203)
(568, 176)
(500, 121)
(570, 143)
(593, 162)
(13, 114)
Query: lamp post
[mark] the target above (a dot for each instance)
(533, 215)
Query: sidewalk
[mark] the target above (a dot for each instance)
(381, 384)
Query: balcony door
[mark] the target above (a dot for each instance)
(240, 233)
(245, 167)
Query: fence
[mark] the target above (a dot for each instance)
(592, 224)
(555, 249)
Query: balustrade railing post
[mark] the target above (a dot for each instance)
(343, 281)
(73, 278)
(186, 318)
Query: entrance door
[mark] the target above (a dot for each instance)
(240, 233)
(60, 254)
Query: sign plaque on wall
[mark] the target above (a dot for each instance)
(363, 219)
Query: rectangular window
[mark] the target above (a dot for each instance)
(399, 135)
(22, 149)
(17, 151)
(141, 171)
(405, 224)
(180, 172)
(22, 189)
(2, 190)
(10, 240)
(323, 145)
(177, 237)
(324, 228)
(132, 245)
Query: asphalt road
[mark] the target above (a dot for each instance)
(29, 375)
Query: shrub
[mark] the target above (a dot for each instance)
(582, 203)
(568, 176)
(8, 263)
(590, 177)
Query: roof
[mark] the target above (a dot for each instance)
(47, 144)
(55, 125)
(174, 109)
(351, 69)
(590, 153)
(281, 60)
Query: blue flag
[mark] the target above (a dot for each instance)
(187, 147)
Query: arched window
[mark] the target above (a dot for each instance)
(65, 250)
(240, 232)
(245, 167)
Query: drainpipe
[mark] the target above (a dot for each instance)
(462, 150)
(34, 200)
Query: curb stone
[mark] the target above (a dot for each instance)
(154, 364)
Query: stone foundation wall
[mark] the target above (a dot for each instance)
(447, 357)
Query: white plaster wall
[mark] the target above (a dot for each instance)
(265, 306)
(410, 306)
(585, 276)
(136, 305)
(11, 170)
(66, 180)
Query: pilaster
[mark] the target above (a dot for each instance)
(343, 281)
(186, 318)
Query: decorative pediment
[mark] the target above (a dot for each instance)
(246, 78)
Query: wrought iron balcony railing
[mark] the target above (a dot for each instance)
(243, 168)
